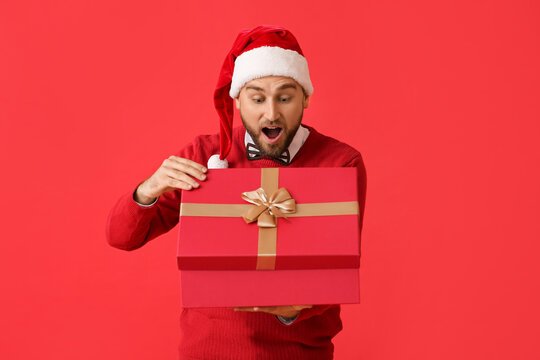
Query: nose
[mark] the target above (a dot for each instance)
(271, 110)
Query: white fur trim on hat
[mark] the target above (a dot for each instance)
(268, 61)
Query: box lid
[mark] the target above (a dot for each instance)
(320, 239)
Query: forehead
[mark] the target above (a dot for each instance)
(272, 83)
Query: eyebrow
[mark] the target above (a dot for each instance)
(282, 87)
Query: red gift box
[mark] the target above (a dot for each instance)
(309, 256)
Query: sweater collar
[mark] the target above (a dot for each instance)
(298, 140)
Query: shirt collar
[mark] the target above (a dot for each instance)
(298, 140)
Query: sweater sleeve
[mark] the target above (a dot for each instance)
(313, 311)
(130, 226)
(357, 162)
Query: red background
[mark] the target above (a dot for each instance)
(441, 98)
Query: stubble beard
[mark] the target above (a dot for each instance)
(273, 150)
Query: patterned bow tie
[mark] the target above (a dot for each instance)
(254, 153)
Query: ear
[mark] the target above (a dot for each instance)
(306, 101)
(237, 102)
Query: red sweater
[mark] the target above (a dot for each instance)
(219, 333)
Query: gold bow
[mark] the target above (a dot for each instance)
(267, 209)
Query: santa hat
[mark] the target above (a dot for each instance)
(262, 51)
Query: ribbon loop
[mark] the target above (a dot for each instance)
(266, 209)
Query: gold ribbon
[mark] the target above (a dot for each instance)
(266, 209)
(267, 247)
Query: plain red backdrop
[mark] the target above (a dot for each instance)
(441, 98)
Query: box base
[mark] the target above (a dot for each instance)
(235, 288)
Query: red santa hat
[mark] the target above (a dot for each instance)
(262, 51)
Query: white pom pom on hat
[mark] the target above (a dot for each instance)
(216, 163)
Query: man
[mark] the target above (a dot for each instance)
(267, 76)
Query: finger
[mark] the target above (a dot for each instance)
(286, 311)
(180, 176)
(177, 184)
(189, 166)
(189, 162)
(249, 308)
(265, 308)
(255, 308)
(185, 166)
(187, 169)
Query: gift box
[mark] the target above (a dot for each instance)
(270, 237)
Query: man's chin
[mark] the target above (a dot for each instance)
(272, 150)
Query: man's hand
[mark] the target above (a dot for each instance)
(283, 311)
(174, 173)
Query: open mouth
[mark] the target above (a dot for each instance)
(272, 132)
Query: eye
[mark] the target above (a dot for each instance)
(257, 100)
(284, 99)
